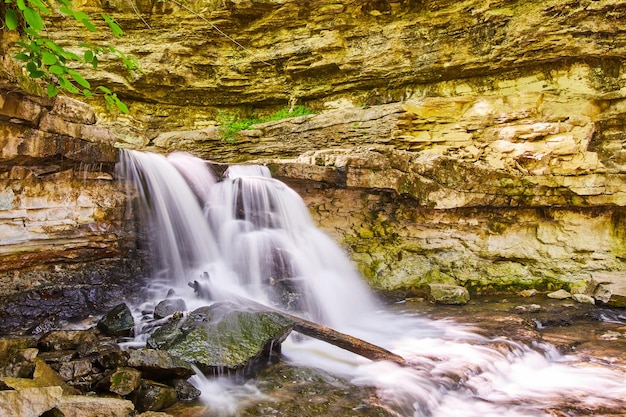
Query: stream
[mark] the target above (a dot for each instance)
(248, 235)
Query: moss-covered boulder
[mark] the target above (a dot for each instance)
(448, 294)
(223, 337)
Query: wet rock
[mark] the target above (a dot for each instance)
(448, 294)
(185, 391)
(611, 289)
(73, 370)
(84, 406)
(528, 293)
(111, 356)
(58, 340)
(13, 361)
(117, 322)
(124, 381)
(159, 364)
(528, 308)
(29, 402)
(560, 295)
(583, 298)
(168, 307)
(223, 336)
(153, 396)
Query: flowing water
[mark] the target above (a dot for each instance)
(249, 235)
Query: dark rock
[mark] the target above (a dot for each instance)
(111, 356)
(73, 370)
(168, 307)
(223, 336)
(117, 322)
(153, 396)
(40, 310)
(58, 357)
(158, 364)
(55, 412)
(185, 391)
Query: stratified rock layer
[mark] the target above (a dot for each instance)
(63, 234)
(456, 142)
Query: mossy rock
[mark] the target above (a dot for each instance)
(223, 337)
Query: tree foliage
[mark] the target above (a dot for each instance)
(44, 59)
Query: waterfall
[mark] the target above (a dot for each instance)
(251, 235)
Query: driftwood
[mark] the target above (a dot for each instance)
(320, 332)
(344, 341)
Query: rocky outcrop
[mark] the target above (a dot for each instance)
(454, 142)
(63, 232)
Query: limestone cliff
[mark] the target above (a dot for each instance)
(63, 235)
(473, 142)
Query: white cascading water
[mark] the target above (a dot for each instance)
(251, 236)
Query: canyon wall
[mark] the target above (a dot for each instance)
(469, 142)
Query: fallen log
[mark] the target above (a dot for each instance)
(344, 341)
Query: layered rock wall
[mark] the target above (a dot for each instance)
(63, 232)
(470, 142)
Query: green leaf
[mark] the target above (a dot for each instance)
(79, 78)
(66, 10)
(48, 58)
(115, 28)
(21, 5)
(33, 19)
(121, 106)
(39, 4)
(105, 90)
(32, 33)
(10, 19)
(56, 70)
(67, 86)
(22, 57)
(94, 62)
(52, 90)
(87, 93)
(89, 25)
(88, 55)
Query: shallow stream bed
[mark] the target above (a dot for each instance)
(587, 336)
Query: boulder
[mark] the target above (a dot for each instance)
(88, 406)
(159, 364)
(57, 340)
(13, 363)
(117, 322)
(123, 381)
(185, 391)
(223, 337)
(611, 289)
(448, 294)
(560, 295)
(30, 402)
(583, 298)
(153, 396)
(168, 307)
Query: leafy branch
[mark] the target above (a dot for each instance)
(44, 59)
